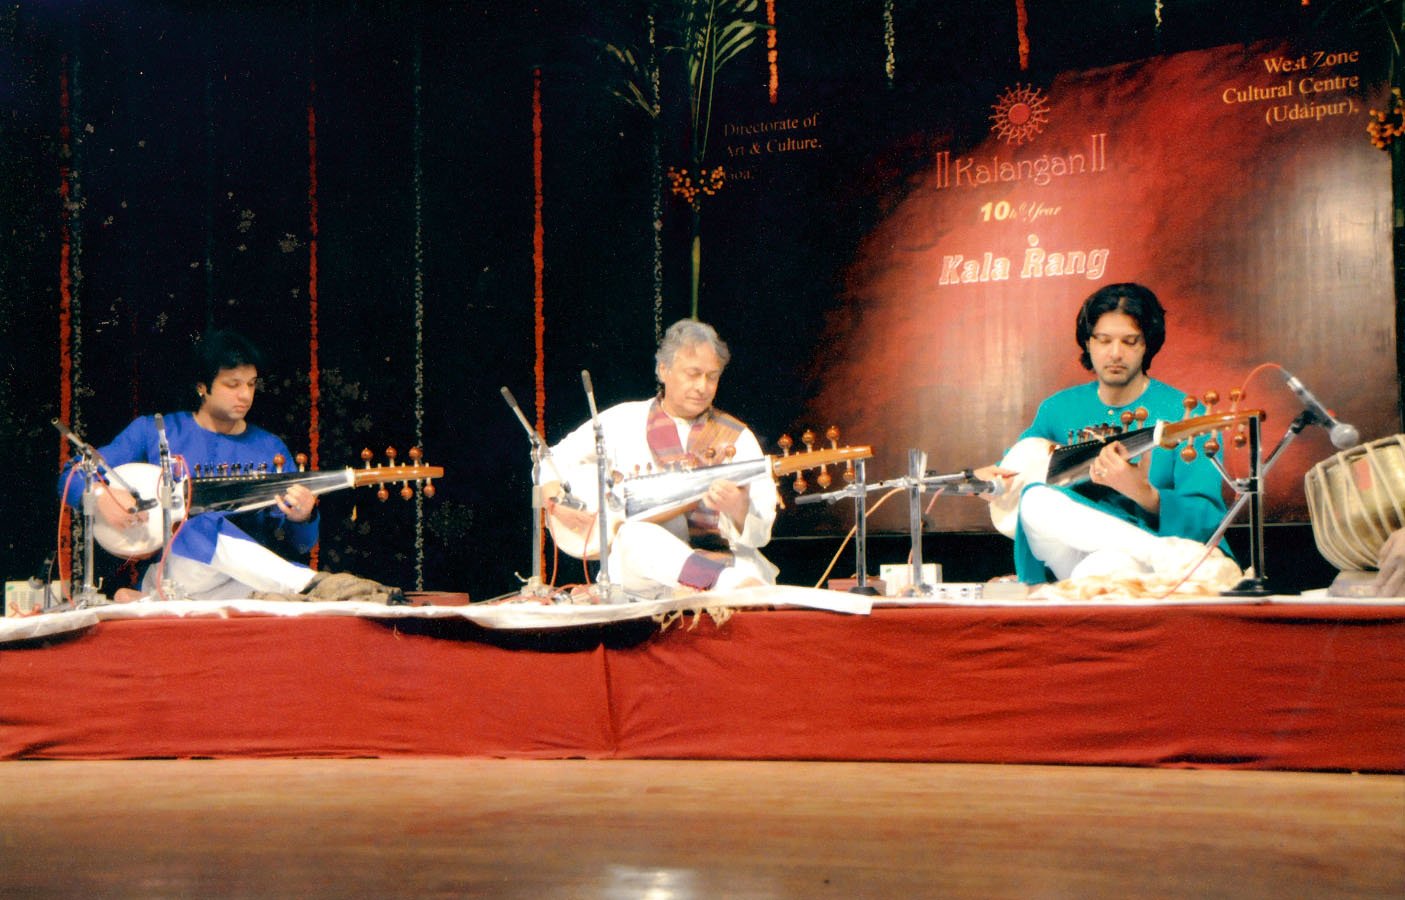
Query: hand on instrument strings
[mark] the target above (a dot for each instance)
(114, 505)
(730, 499)
(1004, 479)
(1390, 582)
(297, 503)
(1113, 469)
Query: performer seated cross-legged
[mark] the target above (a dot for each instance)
(221, 555)
(1150, 515)
(715, 546)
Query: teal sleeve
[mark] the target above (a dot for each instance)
(1192, 498)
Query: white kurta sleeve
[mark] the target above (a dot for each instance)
(761, 515)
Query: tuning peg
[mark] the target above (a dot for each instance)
(849, 471)
(428, 489)
(824, 479)
(832, 434)
(406, 492)
(1235, 396)
(1140, 415)
(728, 452)
(1189, 403)
(1212, 445)
(416, 455)
(785, 443)
(279, 461)
(390, 455)
(1211, 398)
(801, 485)
(382, 494)
(808, 439)
(1188, 453)
(366, 456)
(301, 460)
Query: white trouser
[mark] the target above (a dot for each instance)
(1075, 540)
(237, 569)
(646, 558)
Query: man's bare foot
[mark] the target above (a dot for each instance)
(126, 595)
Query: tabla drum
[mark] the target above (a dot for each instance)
(1355, 500)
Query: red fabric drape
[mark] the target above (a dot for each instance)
(1261, 687)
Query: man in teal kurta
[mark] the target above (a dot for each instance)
(1132, 516)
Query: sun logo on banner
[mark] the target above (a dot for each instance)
(1020, 114)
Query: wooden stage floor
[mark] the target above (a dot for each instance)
(690, 829)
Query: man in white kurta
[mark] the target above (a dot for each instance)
(713, 547)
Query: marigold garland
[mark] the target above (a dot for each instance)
(1022, 25)
(1385, 127)
(772, 54)
(709, 182)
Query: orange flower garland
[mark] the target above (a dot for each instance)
(709, 182)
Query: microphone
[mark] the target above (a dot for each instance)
(521, 416)
(1341, 434)
(163, 449)
(589, 392)
(74, 439)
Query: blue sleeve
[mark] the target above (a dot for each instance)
(135, 443)
(302, 535)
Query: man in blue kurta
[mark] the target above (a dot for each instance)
(1148, 515)
(216, 555)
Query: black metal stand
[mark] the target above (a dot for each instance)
(1250, 492)
(916, 482)
(861, 585)
(857, 489)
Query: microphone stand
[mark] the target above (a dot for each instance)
(165, 496)
(916, 466)
(608, 592)
(92, 465)
(1250, 491)
(858, 489)
(915, 484)
(533, 587)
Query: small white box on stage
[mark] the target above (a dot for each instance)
(898, 577)
(21, 598)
